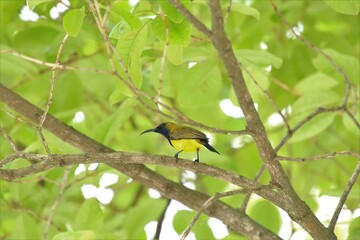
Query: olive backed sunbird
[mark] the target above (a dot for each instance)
(183, 138)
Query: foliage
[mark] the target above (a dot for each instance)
(164, 54)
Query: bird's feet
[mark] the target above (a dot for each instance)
(196, 161)
(177, 156)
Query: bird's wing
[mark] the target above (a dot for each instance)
(187, 133)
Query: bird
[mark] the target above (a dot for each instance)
(183, 138)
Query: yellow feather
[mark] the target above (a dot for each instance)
(187, 145)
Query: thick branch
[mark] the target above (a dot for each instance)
(297, 209)
(237, 222)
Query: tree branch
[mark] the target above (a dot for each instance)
(237, 222)
(50, 98)
(323, 156)
(56, 203)
(191, 18)
(209, 202)
(344, 196)
(296, 208)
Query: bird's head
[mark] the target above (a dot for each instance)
(162, 129)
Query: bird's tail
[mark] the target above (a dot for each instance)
(208, 146)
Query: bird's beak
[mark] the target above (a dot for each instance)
(149, 130)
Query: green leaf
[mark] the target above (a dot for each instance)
(261, 77)
(122, 10)
(354, 229)
(24, 40)
(105, 131)
(130, 47)
(140, 215)
(350, 7)
(73, 21)
(350, 125)
(315, 100)
(174, 54)
(348, 63)
(68, 95)
(33, 3)
(204, 79)
(89, 216)
(26, 228)
(243, 9)
(179, 33)
(80, 235)
(201, 228)
(266, 214)
(171, 12)
(312, 128)
(314, 82)
(259, 57)
(181, 220)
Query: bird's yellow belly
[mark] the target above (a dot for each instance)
(187, 145)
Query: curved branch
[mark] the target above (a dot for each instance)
(237, 222)
(344, 196)
(296, 208)
(323, 156)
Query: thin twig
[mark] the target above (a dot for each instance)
(285, 87)
(323, 156)
(18, 118)
(228, 10)
(205, 206)
(57, 201)
(8, 138)
(52, 65)
(18, 207)
(50, 98)
(137, 92)
(19, 154)
(302, 122)
(343, 197)
(352, 117)
(319, 51)
(189, 16)
(162, 65)
(248, 195)
(267, 94)
(161, 220)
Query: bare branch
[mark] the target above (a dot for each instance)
(317, 50)
(206, 204)
(191, 18)
(228, 10)
(8, 138)
(50, 99)
(302, 122)
(284, 86)
(248, 195)
(56, 203)
(352, 117)
(323, 156)
(267, 94)
(161, 221)
(18, 207)
(138, 93)
(140, 173)
(59, 160)
(343, 197)
(52, 65)
(162, 64)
